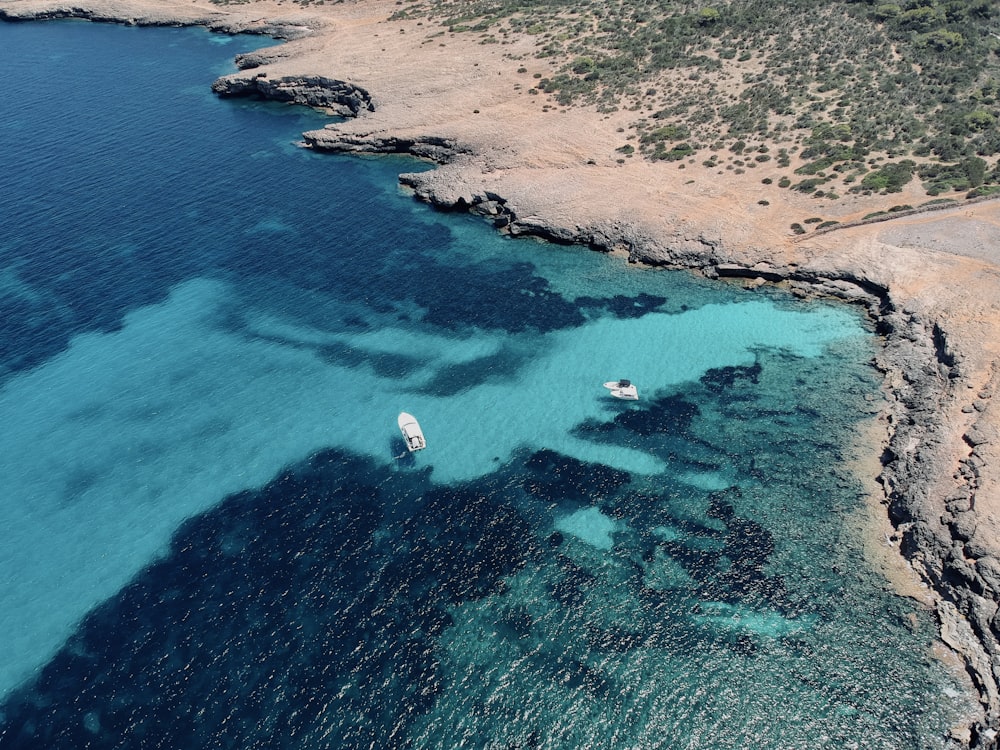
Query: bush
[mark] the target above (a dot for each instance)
(984, 190)
(885, 12)
(890, 178)
(941, 40)
(922, 18)
(664, 133)
(808, 186)
(678, 152)
(967, 174)
(708, 17)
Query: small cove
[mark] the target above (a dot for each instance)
(207, 334)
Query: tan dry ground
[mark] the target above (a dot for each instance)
(561, 165)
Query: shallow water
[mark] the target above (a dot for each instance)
(211, 538)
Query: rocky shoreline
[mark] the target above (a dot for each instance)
(922, 377)
(940, 427)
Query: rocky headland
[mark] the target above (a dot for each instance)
(929, 279)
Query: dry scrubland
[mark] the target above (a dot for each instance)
(826, 98)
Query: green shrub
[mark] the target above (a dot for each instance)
(941, 40)
(922, 18)
(808, 186)
(708, 17)
(890, 177)
(984, 190)
(664, 133)
(886, 11)
(678, 152)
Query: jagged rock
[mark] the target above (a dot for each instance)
(964, 524)
(980, 434)
(958, 502)
(958, 572)
(438, 150)
(988, 568)
(535, 226)
(315, 91)
(259, 58)
(696, 251)
(978, 548)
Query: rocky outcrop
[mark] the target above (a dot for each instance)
(433, 148)
(94, 14)
(342, 98)
(940, 532)
(110, 12)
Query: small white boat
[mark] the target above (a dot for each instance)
(412, 434)
(624, 389)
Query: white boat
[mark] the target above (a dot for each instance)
(624, 389)
(412, 434)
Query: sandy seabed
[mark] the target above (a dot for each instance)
(931, 279)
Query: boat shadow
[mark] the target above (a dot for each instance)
(400, 455)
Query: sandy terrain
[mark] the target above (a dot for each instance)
(936, 275)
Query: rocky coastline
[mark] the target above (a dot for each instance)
(938, 419)
(923, 376)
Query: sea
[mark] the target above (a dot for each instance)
(212, 535)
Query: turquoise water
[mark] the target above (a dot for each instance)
(210, 538)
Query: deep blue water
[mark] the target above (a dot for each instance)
(210, 538)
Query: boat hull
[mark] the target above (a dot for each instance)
(413, 436)
(623, 389)
(626, 394)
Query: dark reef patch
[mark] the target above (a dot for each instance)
(669, 415)
(277, 614)
(621, 306)
(722, 378)
(554, 476)
(511, 299)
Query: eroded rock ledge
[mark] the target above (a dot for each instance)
(941, 535)
(127, 15)
(335, 96)
(433, 148)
